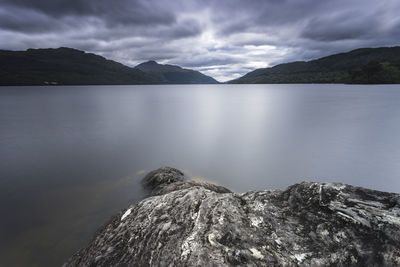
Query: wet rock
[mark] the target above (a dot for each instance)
(199, 224)
(156, 180)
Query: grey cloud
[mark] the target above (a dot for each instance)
(120, 11)
(23, 20)
(140, 14)
(351, 25)
(204, 60)
(222, 37)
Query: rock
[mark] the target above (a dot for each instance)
(155, 180)
(199, 224)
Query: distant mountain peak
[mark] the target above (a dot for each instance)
(172, 74)
(150, 62)
(60, 49)
(152, 65)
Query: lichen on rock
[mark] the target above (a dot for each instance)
(201, 224)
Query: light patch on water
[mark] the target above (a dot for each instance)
(196, 178)
(203, 180)
(140, 172)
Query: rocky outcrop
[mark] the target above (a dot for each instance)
(200, 224)
(156, 180)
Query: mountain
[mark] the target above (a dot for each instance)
(188, 223)
(364, 66)
(171, 74)
(67, 66)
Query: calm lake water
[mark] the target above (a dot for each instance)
(70, 157)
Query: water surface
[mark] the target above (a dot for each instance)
(70, 157)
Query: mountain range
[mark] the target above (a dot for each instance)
(363, 66)
(68, 66)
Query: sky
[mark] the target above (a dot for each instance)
(221, 38)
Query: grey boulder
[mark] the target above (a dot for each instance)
(201, 224)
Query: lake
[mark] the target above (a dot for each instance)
(72, 156)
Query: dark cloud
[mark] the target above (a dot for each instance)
(224, 38)
(18, 21)
(115, 11)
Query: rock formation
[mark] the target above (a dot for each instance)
(201, 224)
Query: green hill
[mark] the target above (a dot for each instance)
(67, 66)
(171, 74)
(364, 66)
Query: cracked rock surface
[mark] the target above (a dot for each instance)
(201, 224)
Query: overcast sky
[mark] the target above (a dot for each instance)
(221, 38)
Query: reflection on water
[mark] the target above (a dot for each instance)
(64, 149)
(67, 218)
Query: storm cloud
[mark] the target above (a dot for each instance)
(222, 38)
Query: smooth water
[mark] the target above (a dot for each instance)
(70, 157)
